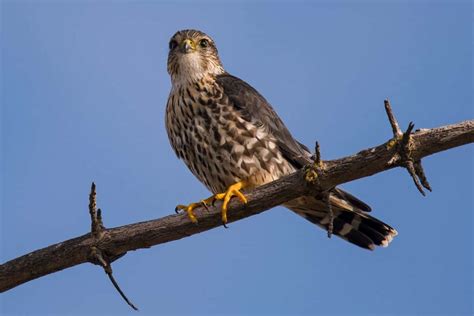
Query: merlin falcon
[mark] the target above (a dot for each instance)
(231, 139)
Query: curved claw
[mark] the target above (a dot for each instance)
(203, 203)
(188, 209)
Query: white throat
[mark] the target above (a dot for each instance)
(191, 70)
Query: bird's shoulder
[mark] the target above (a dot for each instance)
(243, 96)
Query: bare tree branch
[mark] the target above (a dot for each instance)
(117, 241)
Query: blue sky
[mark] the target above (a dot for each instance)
(84, 87)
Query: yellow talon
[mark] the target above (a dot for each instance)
(189, 209)
(233, 190)
(208, 201)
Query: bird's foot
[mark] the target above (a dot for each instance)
(233, 190)
(190, 207)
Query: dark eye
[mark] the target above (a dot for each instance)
(204, 43)
(173, 44)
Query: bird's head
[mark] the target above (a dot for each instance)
(192, 56)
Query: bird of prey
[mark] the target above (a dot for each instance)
(231, 139)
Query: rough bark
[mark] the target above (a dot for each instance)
(115, 242)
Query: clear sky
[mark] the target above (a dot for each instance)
(84, 88)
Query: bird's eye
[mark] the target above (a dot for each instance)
(204, 43)
(173, 44)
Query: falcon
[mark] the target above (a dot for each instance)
(232, 140)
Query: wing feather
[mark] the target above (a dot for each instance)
(254, 108)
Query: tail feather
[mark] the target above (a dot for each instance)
(342, 230)
(354, 201)
(365, 222)
(350, 222)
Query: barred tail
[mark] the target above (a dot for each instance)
(350, 222)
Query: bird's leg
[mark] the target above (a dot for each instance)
(233, 190)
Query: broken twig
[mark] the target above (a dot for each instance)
(312, 175)
(97, 256)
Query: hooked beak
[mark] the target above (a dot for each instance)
(187, 46)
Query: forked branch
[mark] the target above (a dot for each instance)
(403, 141)
(97, 255)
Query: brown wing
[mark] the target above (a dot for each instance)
(254, 108)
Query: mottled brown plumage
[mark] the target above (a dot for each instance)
(227, 133)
